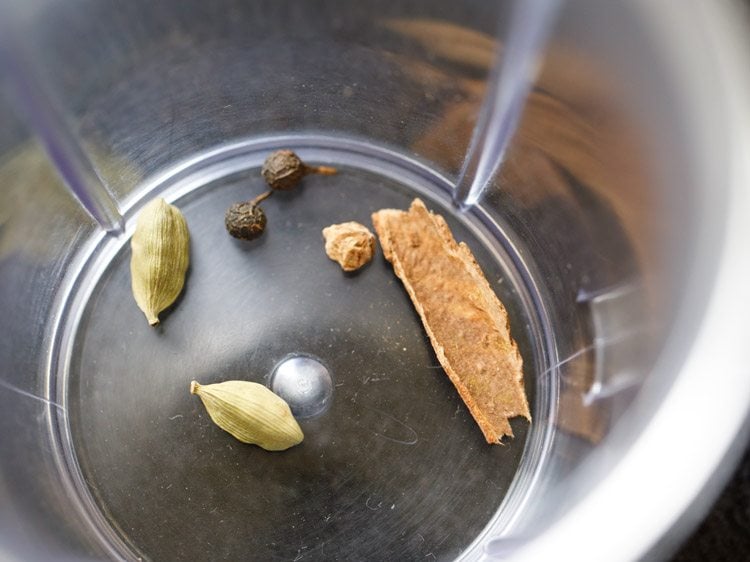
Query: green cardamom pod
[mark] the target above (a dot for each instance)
(251, 413)
(160, 257)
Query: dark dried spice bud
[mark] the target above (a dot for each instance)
(283, 170)
(246, 220)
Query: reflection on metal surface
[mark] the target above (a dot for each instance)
(305, 383)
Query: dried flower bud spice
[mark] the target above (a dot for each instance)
(246, 220)
(283, 170)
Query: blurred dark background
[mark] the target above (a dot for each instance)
(725, 533)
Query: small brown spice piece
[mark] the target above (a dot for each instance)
(350, 244)
(246, 220)
(466, 322)
(283, 170)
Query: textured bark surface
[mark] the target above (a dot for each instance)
(466, 322)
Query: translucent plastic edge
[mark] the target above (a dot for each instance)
(675, 465)
(221, 161)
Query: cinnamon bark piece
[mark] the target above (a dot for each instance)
(466, 322)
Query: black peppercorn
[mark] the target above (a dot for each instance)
(246, 220)
(283, 170)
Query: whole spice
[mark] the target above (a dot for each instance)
(350, 244)
(466, 322)
(246, 220)
(160, 258)
(251, 413)
(283, 170)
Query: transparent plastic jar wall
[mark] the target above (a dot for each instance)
(622, 185)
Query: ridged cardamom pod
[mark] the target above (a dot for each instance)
(160, 259)
(251, 413)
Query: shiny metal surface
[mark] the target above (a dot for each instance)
(305, 383)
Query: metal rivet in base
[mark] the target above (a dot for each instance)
(305, 383)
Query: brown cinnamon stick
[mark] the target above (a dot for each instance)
(466, 322)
